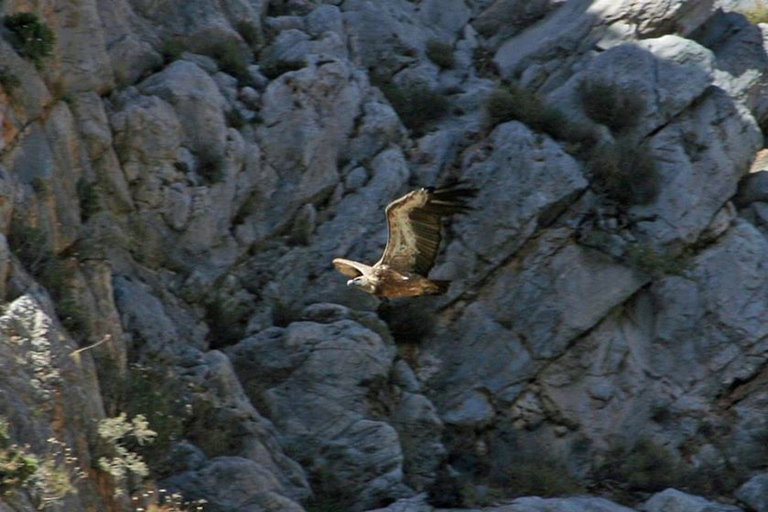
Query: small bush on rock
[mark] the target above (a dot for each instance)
(232, 60)
(417, 105)
(645, 467)
(33, 39)
(274, 69)
(440, 53)
(512, 102)
(625, 172)
(607, 104)
(8, 80)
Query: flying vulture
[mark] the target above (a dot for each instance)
(413, 224)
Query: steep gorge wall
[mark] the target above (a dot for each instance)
(177, 176)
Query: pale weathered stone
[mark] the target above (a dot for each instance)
(684, 163)
(197, 101)
(311, 379)
(754, 493)
(672, 500)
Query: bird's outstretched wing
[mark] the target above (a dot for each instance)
(350, 268)
(413, 224)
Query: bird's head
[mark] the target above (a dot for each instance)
(362, 283)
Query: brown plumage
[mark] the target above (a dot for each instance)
(413, 224)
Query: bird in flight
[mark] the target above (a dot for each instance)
(413, 225)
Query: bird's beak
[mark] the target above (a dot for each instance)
(351, 282)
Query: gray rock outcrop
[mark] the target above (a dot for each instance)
(176, 177)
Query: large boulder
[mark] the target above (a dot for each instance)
(317, 382)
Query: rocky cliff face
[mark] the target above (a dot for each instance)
(176, 176)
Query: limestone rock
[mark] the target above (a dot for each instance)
(40, 381)
(504, 18)
(303, 145)
(420, 429)
(576, 504)
(739, 50)
(667, 74)
(672, 500)
(579, 26)
(81, 48)
(233, 483)
(680, 221)
(312, 381)
(515, 202)
(197, 101)
(754, 493)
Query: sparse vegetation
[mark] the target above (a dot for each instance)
(17, 464)
(541, 477)
(482, 59)
(227, 319)
(235, 118)
(32, 38)
(645, 467)
(8, 80)
(625, 172)
(330, 494)
(31, 246)
(90, 201)
(42, 187)
(232, 60)
(250, 33)
(155, 395)
(512, 102)
(171, 50)
(409, 322)
(609, 104)
(47, 480)
(417, 105)
(210, 167)
(440, 53)
(125, 466)
(646, 259)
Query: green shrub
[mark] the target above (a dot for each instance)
(235, 118)
(33, 39)
(409, 322)
(17, 465)
(654, 263)
(330, 494)
(8, 80)
(274, 69)
(541, 477)
(126, 467)
(482, 60)
(251, 33)
(512, 102)
(172, 49)
(90, 199)
(227, 319)
(210, 167)
(645, 467)
(417, 105)
(156, 395)
(607, 104)
(232, 60)
(440, 53)
(625, 172)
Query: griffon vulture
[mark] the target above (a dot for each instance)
(413, 224)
